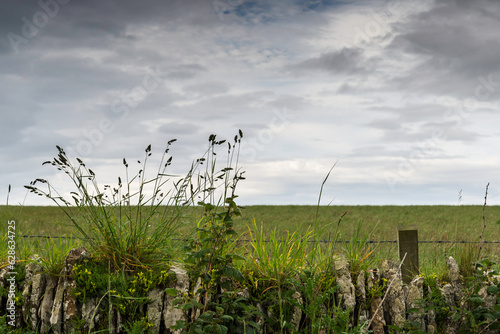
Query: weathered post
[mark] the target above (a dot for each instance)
(408, 244)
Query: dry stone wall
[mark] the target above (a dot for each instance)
(49, 306)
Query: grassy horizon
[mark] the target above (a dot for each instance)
(434, 222)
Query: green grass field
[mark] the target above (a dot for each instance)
(377, 222)
(432, 222)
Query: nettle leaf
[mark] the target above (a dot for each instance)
(253, 324)
(171, 292)
(201, 253)
(233, 273)
(493, 290)
(188, 306)
(476, 299)
(227, 317)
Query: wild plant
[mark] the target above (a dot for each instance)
(270, 266)
(132, 224)
(471, 313)
(475, 316)
(359, 251)
(53, 251)
(284, 255)
(281, 264)
(323, 313)
(467, 257)
(212, 306)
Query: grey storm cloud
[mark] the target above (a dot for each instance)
(345, 61)
(106, 78)
(457, 43)
(206, 88)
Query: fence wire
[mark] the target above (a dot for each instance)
(309, 241)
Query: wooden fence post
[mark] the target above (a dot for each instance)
(408, 244)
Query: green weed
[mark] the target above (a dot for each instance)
(360, 253)
(130, 225)
(212, 305)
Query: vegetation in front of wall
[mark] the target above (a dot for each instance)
(93, 278)
(321, 308)
(130, 227)
(276, 283)
(476, 311)
(479, 308)
(212, 304)
(126, 293)
(434, 301)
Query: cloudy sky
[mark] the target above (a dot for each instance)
(402, 96)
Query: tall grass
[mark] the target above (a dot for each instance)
(276, 258)
(132, 224)
(360, 252)
(281, 264)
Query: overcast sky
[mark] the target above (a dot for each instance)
(402, 95)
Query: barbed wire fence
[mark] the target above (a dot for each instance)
(309, 241)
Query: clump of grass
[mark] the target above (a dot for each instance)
(467, 256)
(360, 252)
(53, 251)
(278, 257)
(132, 224)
